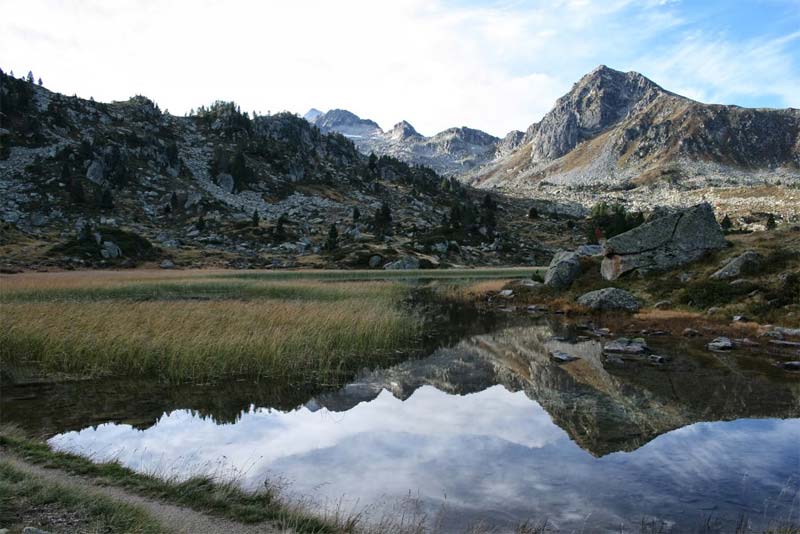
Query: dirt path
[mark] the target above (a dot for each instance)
(176, 518)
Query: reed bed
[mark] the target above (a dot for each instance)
(200, 329)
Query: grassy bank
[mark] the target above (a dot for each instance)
(193, 327)
(27, 500)
(200, 494)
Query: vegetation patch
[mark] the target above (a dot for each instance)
(201, 494)
(27, 500)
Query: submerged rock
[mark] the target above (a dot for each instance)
(664, 243)
(562, 357)
(609, 298)
(563, 270)
(624, 345)
(720, 344)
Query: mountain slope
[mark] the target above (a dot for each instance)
(453, 151)
(87, 183)
(617, 128)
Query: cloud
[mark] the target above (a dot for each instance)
(496, 65)
(713, 69)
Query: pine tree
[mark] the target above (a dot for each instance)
(201, 223)
(533, 213)
(383, 219)
(333, 238)
(726, 223)
(30, 76)
(356, 214)
(280, 231)
(173, 201)
(40, 82)
(256, 219)
(373, 163)
(107, 200)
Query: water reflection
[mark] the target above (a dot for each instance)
(492, 428)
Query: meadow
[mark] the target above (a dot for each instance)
(205, 325)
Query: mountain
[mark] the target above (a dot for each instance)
(312, 114)
(451, 152)
(617, 129)
(118, 184)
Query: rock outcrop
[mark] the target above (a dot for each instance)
(609, 298)
(664, 243)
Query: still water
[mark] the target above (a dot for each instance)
(489, 428)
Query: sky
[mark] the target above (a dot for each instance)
(493, 65)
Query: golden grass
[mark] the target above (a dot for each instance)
(193, 327)
(201, 339)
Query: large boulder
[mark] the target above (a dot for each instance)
(564, 268)
(747, 263)
(406, 262)
(609, 298)
(664, 243)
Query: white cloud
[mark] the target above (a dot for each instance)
(497, 66)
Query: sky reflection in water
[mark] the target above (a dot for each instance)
(493, 454)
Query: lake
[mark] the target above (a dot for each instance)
(486, 428)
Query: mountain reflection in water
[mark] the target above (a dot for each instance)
(493, 429)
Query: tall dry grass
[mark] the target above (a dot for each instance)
(196, 329)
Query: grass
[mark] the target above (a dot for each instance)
(23, 494)
(201, 494)
(308, 330)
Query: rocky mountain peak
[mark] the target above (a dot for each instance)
(403, 130)
(346, 123)
(312, 115)
(598, 100)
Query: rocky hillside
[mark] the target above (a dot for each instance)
(86, 183)
(451, 152)
(621, 131)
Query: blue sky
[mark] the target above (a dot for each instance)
(494, 65)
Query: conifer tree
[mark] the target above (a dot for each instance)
(333, 238)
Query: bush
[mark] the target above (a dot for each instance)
(707, 293)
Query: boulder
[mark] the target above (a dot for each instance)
(663, 243)
(406, 262)
(96, 172)
(563, 270)
(167, 264)
(225, 182)
(110, 250)
(375, 261)
(609, 298)
(721, 343)
(746, 263)
(589, 250)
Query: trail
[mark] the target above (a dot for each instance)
(174, 518)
